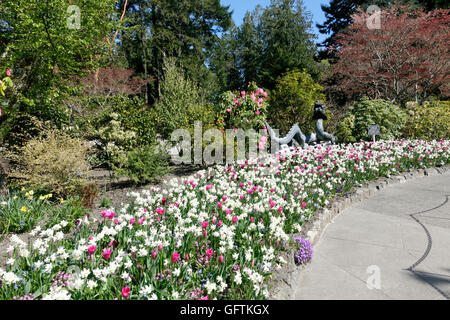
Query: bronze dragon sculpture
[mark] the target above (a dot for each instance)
(295, 134)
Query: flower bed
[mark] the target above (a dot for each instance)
(217, 235)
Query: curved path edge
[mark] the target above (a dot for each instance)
(286, 280)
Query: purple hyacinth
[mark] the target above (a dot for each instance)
(304, 253)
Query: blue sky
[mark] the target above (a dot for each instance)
(240, 7)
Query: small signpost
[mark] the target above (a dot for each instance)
(374, 131)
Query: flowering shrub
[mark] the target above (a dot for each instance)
(4, 84)
(244, 110)
(217, 235)
(304, 253)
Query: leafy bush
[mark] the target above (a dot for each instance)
(345, 129)
(143, 165)
(180, 97)
(365, 112)
(242, 110)
(292, 101)
(429, 121)
(53, 162)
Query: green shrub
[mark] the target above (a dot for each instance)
(179, 97)
(243, 110)
(345, 129)
(292, 101)
(365, 112)
(51, 162)
(429, 121)
(143, 165)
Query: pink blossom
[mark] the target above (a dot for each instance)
(132, 221)
(125, 292)
(228, 211)
(107, 253)
(242, 93)
(219, 223)
(91, 249)
(108, 214)
(234, 220)
(220, 259)
(141, 220)
(8, 73)
(154, 253)
(116, 221)
(204, 224)
(303, 204)
(160, 211)
(224, 198)
(175, 257)
(186, 257)
(209, 253)
(229, 110)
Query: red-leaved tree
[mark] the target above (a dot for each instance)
(111, 81)
(406, 58)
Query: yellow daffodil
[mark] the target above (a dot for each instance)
(24, 209)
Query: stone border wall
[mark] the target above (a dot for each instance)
(285, 280)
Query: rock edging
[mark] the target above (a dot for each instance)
(284, 281)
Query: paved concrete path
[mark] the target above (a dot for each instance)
(402, 230)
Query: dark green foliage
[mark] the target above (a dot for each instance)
(274, 40)
(186, 29)
(365, 112)
(143, 165)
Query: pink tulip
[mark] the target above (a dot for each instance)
(303, 204)
(220, 259)
(234, 220)
(175, 257)
(116, 221)
(91, 249)
(160, 211)
(8, 73)
(132, 221)
(204, 224)
(141, 220)
(154, 254)
(228, 211)
(125, 292)
(107, 253)
(186, 257)
(209, 253)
